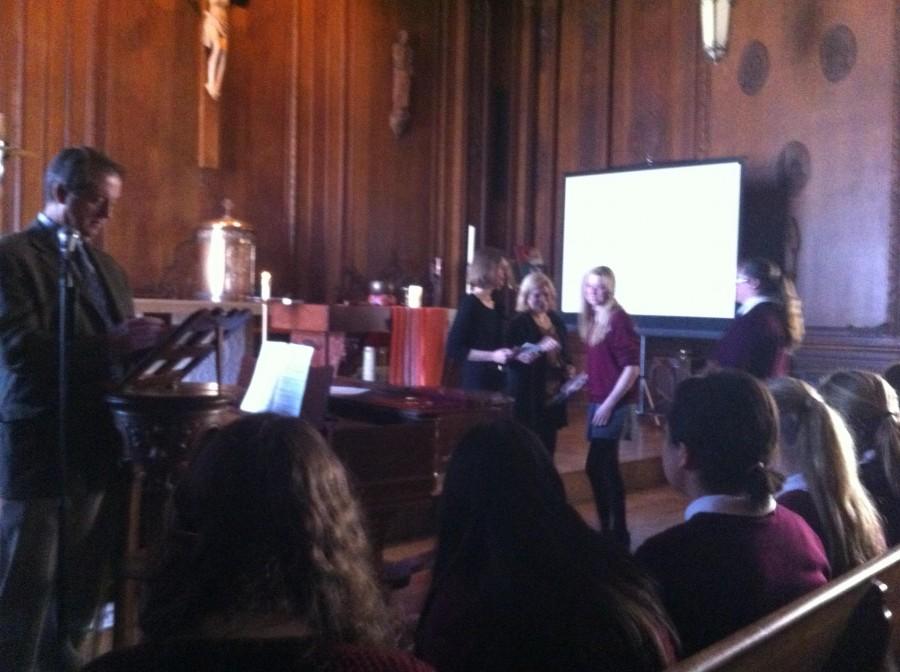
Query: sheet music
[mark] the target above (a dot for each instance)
(279, 379)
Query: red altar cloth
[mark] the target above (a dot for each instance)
(418, 338)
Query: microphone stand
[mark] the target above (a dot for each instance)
(67, 239)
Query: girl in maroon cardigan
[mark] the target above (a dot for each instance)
(738, 556)
(613, 367)
(768, 324)
(823, 485)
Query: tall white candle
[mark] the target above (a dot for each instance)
(414, 296)
(215, 264)
(265, 293)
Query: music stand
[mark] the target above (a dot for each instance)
(160, 418)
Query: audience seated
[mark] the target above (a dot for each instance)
(892, 376)
(267, 565)
(869, 406)
(738, 556)
(521, 582)
(823, 484)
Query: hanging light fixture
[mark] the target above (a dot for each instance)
(714, 15)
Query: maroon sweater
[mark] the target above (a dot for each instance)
(720, 572)
(756, 343)
(801, 503)
(605, 360)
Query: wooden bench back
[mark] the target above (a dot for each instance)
(841, 627)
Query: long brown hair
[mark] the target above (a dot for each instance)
(775, 285)
(594, 324)
(729, 424)
(266, 525)
(815, 438)
(506, 529)
(869, 406)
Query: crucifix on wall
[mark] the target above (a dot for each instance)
(214, 54)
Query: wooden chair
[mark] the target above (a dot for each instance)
(844, 626)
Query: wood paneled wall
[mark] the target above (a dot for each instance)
(507, 96)
(808, 94)
(307, 154)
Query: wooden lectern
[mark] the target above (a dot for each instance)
(160, 418)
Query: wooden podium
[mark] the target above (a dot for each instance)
(160, 418)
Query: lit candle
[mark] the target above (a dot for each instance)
(215, 264)
(265, 293)
(414, 296)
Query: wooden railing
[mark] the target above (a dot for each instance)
(844, 626)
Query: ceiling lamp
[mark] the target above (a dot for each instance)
(714, 15)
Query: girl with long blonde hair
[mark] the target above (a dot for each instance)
(822, 483)
(613, 367)
(869, 406)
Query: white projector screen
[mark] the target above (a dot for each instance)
(669, 233)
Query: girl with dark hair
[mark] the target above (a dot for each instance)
(475, 340)
(869, 406)
(267, 565)
(738, 556)
(769, 322)
(521, 582)
(822, 484)
(613, 367)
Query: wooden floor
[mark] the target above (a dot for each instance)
(652, 506)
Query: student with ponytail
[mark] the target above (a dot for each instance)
(869, 406)
(823, 485)
(768, 325)
(738, 556)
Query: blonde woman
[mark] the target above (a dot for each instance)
(822, 483)
(537, 374)
(869, 406)
(475, 340)
(613, 367)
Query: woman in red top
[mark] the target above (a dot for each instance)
(613, 366)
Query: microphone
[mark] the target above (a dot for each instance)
(68, 239)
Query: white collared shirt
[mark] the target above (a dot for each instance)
(752, 303)
(730, 504)
(794, 482)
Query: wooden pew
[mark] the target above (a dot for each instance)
(843, 626)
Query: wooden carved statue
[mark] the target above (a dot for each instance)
(215, 38)
(402, 57)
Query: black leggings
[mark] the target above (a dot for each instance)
(609, 492)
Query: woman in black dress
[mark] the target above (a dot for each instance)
(476, 337)
(538, 372)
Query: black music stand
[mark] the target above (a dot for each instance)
(160, 418)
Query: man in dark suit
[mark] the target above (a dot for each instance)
(80, 187)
